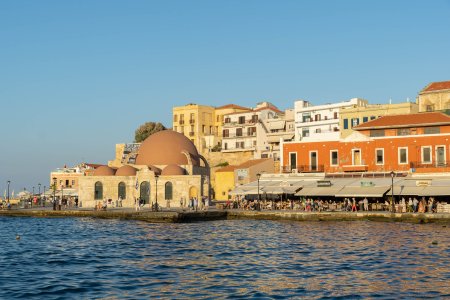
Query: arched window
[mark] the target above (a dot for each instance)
(168, 191)
(98, 191)
(122, 193)
(145, 192)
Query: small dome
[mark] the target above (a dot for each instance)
(167, 147)
(126, 171)
(173, 170)
(104, 171)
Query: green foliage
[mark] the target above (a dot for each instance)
(146, 130)
(216, 148)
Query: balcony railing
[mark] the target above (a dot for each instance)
(181, 122)
(304, 169)
(433, 164)
(237, 123)
(229, 136)
(192, 121)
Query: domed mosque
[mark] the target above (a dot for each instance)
(167, 169)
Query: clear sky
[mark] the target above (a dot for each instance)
(77, 77)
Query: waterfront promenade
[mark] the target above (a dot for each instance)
(181, 216)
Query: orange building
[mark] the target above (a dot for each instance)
(416, 143)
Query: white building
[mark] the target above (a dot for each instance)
(240, 129)
(320, 122)
(272, 131)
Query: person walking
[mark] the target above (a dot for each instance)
(366, 204)
(354, 205)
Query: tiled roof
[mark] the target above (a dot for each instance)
(232, 106)
(437, 86)
(252, 162)
(408, 120)
(227, 169)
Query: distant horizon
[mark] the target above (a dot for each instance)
(79, 77)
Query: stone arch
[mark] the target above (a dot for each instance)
(168, 191)
(144, 192)
(98, 190)
(193, 192)
(122, 190)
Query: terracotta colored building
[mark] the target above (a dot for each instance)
(414, 143)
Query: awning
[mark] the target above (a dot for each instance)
(407, 190)
(363, 191)
(435, 191)
(276, 138)
(276, 125)
(319, 191)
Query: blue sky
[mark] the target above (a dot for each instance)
(77, 77)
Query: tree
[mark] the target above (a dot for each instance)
(146, 130)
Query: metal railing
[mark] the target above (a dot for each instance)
(432, 164)
(304, 169)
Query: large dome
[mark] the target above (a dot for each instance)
(166, 148)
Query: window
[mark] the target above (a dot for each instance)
(239, 132)
(355, 122)
(251, 131)
(372, 118)
(426, 154)
(227, 120)
(376, 132)
(305, 132)
(334, 158)
(318, 130)
(203, 128)
(226, 133)
(255, 118)
(356, 157)
(293, 160)
(175, 118)
(98, 191)
(402, 155)
(403, 131)
(181, 117)
(122, 190)
(431, 130)
(225, 146)
(335, 115)
(317, 117)
(365, 119)
(242, 120)
(144, 192)
(379, 156)
(345, 123)
(306, 117)
(313, 160)
(73, 182)
(168, 191)
(429, 107)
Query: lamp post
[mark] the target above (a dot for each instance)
(54, 193)
(392, 190)
(8, 188)
(62, 197)
(39, 189)
(43, 198)
(258, 176)
(156, 195)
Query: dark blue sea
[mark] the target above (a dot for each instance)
(76, 258)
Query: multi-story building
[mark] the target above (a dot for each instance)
(202, 124)
(320, 122)
(195, 122)
(415, 143)
(353, 116)
(271, 131)
(239, 129)
(68, 177)
(435, 96)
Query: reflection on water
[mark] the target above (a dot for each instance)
(86, 258)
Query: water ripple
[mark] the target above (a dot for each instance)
(96, 259)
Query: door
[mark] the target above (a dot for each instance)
(440, 156)
(293, 161)
(356, 157)
(145, 192)
(313, 160)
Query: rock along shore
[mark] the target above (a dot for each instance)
(211, 215)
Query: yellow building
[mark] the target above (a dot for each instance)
(195, 122)
(353, 116)
(435, 96)
(225, 182)
(202, 124)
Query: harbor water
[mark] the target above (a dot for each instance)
(84, 258)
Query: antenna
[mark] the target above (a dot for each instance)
(407, 99)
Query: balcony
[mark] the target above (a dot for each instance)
(244, 135)
(191, 121)
(433, 164)
(237, 124)
(181, 122)
(191, 133)
(304, 169)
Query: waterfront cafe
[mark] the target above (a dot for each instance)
(376, 189)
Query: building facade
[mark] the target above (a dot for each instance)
(435, 97)
(350, 116)
(320, 122)
(413, 143)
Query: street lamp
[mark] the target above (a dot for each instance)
(8, 188)
(156, 196)
(392, 190)
(258, 176)
(54, 193)
(43, 197)
(39, 193)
